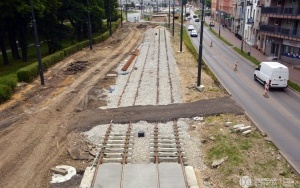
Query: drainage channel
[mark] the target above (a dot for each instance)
(112, 166)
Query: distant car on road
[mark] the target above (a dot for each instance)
(211, 23)
(194, 33)
(190, 28)
(197, 20)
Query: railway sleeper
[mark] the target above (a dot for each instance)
(116, 150)
(168, 159)
(116, 155)
(115, 160)
(166, 154)
(152, 136)
(118, 141)
(130, 145)
(160, 149)
(164, 145)
(165, 140)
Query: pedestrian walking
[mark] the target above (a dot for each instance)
(235, 66)
(211, 43)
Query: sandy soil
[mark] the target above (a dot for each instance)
(40, 123)
(35, 124)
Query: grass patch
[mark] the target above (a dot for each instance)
(247, 155)
(187, 41)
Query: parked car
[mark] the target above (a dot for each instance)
(194, 33)
(273, 73)
(197, 20)
(211, 23)
(190, 28)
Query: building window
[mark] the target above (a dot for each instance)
(289, 21)
(279, 3)
(293, 1)
(276, 22)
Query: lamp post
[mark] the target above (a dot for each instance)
(109, 8)
(181, 27)
(121, 5)
(89, 25)
(219, 14)
(244, 23)
(169, 16)
(126, 11)
(37, 45)
(200, 46)
(173, 18)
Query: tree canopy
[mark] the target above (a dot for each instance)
(56, 20)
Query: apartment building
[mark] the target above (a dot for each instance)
(272, 26)
(279, 29)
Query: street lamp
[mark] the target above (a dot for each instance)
(244, 23)
(181, 27)
(37, 45)
(89, 25)
(126, 11)
(121, 5)
(109, 8)
(173, 18)
(169, 15)
(200, 47)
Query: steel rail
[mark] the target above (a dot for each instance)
(180, 161)
(125, 152)
(102, 152)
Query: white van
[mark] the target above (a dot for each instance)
(274, 73)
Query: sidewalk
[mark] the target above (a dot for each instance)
(229, 36)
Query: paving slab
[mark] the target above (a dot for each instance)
(140, 175)
(108, 175)
(170, 175)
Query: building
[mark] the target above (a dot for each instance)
(279, 29)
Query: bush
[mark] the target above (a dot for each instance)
(9, 81)
(70, 50)
(105, 35)
(52, 59)
(28, 73)
(5, 93)
(82, 44)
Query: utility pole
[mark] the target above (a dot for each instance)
(200, 46)
(37, 45)
(173, 18)
(89, 25)
(244, 23)
(121, 5)
(181, 27)
(219, 14)
(126, 11)
(109, 8)
(169, 14)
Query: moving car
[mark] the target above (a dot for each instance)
(197, 20)
(190, 28)
(273, 73)
(194, 33)
(211, 23)
(194, 16)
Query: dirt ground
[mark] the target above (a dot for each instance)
(37, 125)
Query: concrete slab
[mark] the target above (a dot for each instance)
(170, 175)
(140, 175)
(108, 175)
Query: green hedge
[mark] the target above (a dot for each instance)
(70, 50)
(82, 45)
(5, 93)
(28, 73)
(188, 43)
(52, 59)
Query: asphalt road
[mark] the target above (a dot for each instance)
(278, 116)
